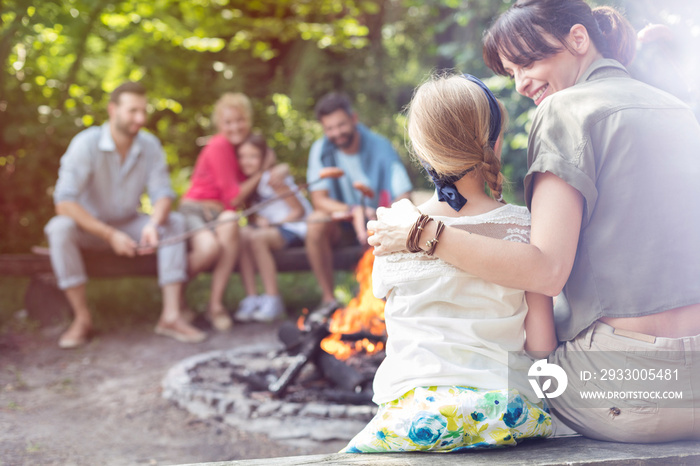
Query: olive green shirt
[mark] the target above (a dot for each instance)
(633, 152)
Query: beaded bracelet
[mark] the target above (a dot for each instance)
(413, 239)
(431, 244)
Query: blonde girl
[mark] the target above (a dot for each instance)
(455, 355)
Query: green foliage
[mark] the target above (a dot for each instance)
(60, 60)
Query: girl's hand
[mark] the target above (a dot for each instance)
(261, 222)
(389, 232)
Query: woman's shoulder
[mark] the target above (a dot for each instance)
(218, 144)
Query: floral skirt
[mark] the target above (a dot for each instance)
(452, 419)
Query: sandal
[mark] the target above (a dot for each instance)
(70, 341)
(220, 320)
(180, 331)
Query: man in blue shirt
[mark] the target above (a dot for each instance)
(366, 159)
(103, 174)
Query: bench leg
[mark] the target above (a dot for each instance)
(44, 302)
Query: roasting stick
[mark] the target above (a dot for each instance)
(317, 322)
(367, 193)
(325, 173)
(317, 329)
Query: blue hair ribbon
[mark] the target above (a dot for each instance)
(445, 184)
(495, 120)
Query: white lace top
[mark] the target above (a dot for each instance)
(447, 327)
(275, 212)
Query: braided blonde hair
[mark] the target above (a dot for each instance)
(448, 128)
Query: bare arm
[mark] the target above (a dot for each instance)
(120, 242)
(246, 188)
(296, 209)
(543, 266)
(540, 335)
(324, 203)
(149, 233)
(161, 209)
(84, 219)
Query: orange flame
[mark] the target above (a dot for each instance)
(302, 318)
(364, 313)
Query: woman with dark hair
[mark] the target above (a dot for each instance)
(612, 163)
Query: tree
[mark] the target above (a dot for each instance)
(60, 60)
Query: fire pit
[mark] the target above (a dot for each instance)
(315, 385)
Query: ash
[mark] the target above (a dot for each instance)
(328, 399)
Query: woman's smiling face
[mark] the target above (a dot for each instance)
(542, 78)
(539, 79)
(233, 124)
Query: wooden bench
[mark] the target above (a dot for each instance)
(46, 303)
(560, 451)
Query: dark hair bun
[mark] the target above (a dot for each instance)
(618, 33)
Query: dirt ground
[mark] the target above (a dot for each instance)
(102, 404)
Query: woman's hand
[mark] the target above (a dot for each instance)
(390, 230)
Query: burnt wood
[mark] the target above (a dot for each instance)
(342, 375)
(315, 330)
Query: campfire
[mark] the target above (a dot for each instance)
(329, 355)
(344, 346)
(323, 371)
(358, 328)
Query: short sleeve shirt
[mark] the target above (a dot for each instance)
(216, 174)
(633, 152)
(397, 178)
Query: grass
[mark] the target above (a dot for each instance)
(120, 302)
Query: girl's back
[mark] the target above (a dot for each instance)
(453, 377)
(457, 328)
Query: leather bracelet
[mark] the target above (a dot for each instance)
(431, 244)
(409, 239)
(413, 239)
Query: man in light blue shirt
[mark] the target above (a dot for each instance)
(367, 159)
(103, 174)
